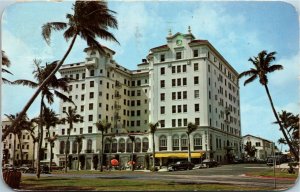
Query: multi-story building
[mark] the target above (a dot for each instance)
(264, 147)
(25, 144)
(185, 80)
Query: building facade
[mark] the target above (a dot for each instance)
(185, 80)
(24, 143)
(264, 147)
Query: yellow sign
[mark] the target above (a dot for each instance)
(178, 155)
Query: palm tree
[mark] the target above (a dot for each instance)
(132, 138)
(34, 140)
(190, 129)
(91, 19)
(78, 140)
(152, 130)
(6, 63)
(24, 124)
(51, 140)
(102, 126)
(251, 150)
(71, 117)
(262, 66)
(48, 92)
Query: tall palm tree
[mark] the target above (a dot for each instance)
(152, 130)
(24, 124)
(6, 63)
(190, 129)
(262, 66)
(48, 92)
(51, 140)
(102, 126)
(91, 19)
(132, 138)
(78, 140)
(71, 117)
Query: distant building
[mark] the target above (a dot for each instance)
(264, 147)
(185, 80)
(8, 146)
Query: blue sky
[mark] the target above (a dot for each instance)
(238, 30)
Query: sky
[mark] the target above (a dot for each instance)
(237, 29)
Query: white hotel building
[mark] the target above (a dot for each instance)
(185, 80)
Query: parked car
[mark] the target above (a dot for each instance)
(210, 163)
(24, 167)
(30, 170)
(181, 165)
(237, 161)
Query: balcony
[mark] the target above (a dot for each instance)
(117, 107)
(118, 84)
(89, 151)
(91, 62)
(117, 96)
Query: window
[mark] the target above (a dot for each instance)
(92, 72)
(173, 122)
(162, 143)
(162, 123)
(162, 57)
(63, 131)
(184, 144)
(91, 83)
(184, 81)
(173, 82)
(83, 75)
(91, 95)
(173, 95)
(162, 97)
(183, 68)
(162, 110)
(196, 80)
(178, 55)
(138, 113)
(184, 94)
(197, 121)
(173, 108)
(82, 86)
(184, 108)
(138, 123)
(257, 144)
(196, 67)
(173, 69)
(107, 85)
(197, 142)
(179, 82)
(70, 87)
(132, 103)
(138, 82)
(178, 108)
(132, 93)
(178, 68)
(91, 106)
(90, 117)
(184, 122)
(196, 93)
(175, 142)
(132, 83)
(138, 102)
(178, 95)
(197, 107)
(195, 52)
(179, 122)
(81, 130)
(162, 83)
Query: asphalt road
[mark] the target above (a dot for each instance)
(225, 174)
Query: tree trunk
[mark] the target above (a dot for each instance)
(132, 165)
(153, 153)
(66, 154)
(43, 84)
(101, 152)
(40, 139)
(292, 149)
(189, 148)
(21, 150)
(78, 156)
(33, 155)
(51, 149)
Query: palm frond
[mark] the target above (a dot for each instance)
(63, 97)
(48, 27)
(251, 79)
(5, 60)
(6, 71)
(6, 81)
(25, 83)
(273, 68)
(250, 72)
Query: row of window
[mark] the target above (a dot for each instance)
(178, 55)
(180, 122)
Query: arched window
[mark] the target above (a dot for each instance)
(145, 144)
(107, 145)
(114, 146)
(184, 142)
(197, 142)
(175, 142)
(129, 145)
(137, 145)
(162, 143)
(122, 145)
(74, 147)
(68, 147)
(89, 146)
(62, 147)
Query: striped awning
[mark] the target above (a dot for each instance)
(179, 155)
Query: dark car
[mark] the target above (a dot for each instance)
(210, 163)
(181, 165)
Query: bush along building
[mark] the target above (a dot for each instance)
(185, 80)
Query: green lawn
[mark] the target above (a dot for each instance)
(60, 183)
(282, 173)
